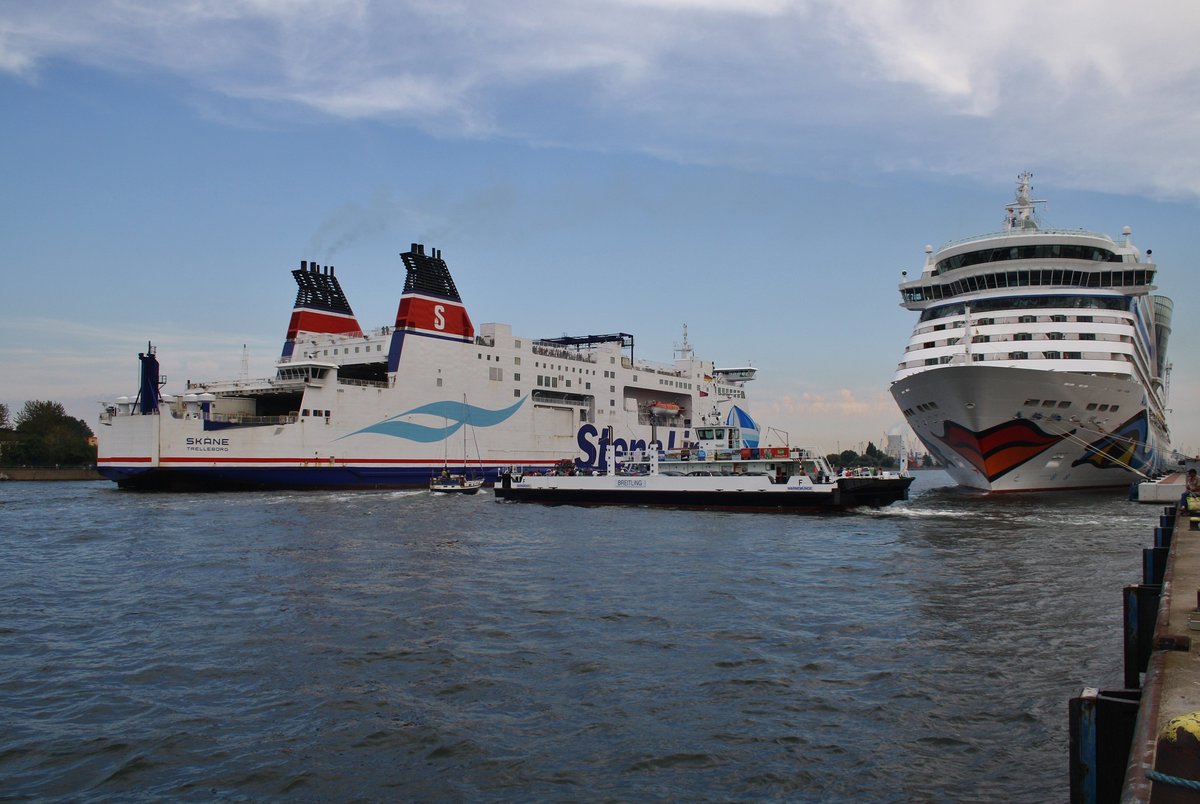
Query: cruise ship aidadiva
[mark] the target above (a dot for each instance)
(1039, 360)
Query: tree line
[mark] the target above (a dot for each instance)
(873, 457)
(42, 434)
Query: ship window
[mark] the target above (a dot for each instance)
(516, 377)
(304, 412)
(1031, 402)
(1115, 408)
(1073, 355)
(1022, 336)
(1049, 403)
(1019, 355)
(1058, 319)
(1065, 404)
(326, 353)
(516, 392)
(356, 349)
(1055, 336)
(1086, 319)
(587, 386)
(1091, 406)
(931, 361)
(1052, 355)
(1027, 319)
(1087, 336)
(517, 361)
(1104, 407)
(977, 357)
(439, 382)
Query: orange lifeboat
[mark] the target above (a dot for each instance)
(665, 409)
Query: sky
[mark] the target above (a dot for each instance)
(761, 171)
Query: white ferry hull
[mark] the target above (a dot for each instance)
(979, 423)
(354, 448)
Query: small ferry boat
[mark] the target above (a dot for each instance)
(712, 473)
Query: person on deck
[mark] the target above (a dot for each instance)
(1190, 499)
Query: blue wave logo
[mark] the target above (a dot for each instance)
(456, 414)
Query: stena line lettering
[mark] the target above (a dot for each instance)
(439, 316)
(593, 446)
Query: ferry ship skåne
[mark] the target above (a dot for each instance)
(1039, 358)
(349, 408)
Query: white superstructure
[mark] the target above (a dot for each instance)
(1039, 358)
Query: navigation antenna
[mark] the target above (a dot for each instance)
(684, 350)
(1020, 214)
(245, 363)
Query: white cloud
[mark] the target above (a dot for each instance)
(1101, 94)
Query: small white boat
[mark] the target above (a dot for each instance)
(447, 483)
(457, 483)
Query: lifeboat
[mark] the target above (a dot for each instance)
(665, 409)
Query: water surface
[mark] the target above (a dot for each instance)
(396, 645)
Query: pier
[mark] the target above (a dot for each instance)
(1141, 743)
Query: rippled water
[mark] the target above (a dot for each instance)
(399, 646)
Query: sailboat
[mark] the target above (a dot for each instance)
(453, 482)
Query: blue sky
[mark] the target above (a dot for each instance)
(760, 170)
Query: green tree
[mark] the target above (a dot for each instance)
(5, 424)
(47, 436)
